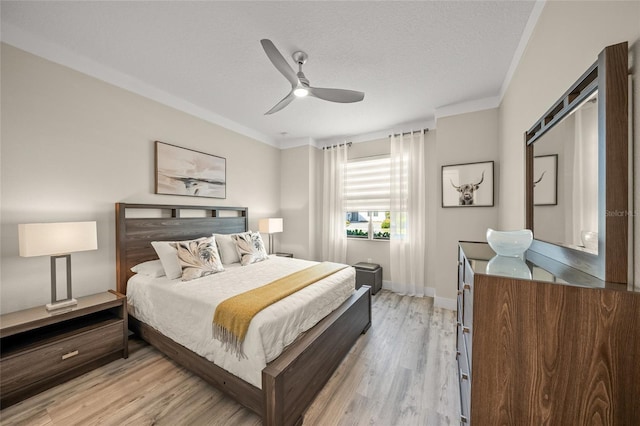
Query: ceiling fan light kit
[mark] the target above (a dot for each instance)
(300, 92)
(299, 83)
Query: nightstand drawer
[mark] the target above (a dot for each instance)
(23, 368)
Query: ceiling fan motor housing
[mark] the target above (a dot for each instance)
(300, 57)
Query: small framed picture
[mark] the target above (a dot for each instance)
(545, 180)
(467, 185)
(182, 171)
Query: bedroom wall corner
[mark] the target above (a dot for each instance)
(296, 202)
(315, 203)
(464, 138)
(73, 145)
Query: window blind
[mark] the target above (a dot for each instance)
(367, 184)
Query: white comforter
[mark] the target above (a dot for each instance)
(183, 311)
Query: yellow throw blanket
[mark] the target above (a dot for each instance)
(232, 317)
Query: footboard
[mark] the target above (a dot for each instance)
(291, 382)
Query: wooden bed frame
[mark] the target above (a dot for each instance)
(291, 382)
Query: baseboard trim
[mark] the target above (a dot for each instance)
(438, 302)
(444, 303)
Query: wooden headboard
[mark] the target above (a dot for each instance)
(139, 224)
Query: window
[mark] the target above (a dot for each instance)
(367, 198)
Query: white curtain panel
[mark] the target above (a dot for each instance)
(408, 215)
(334, 233)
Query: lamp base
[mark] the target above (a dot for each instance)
(61, 304)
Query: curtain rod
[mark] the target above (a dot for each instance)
(336, 146)
(426, 129)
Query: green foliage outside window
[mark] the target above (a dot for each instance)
(358, 233)
(382, 235)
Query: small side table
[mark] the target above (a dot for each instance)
(369, 274)
(285, 254)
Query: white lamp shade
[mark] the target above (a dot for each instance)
(270, 225)
(41, 239)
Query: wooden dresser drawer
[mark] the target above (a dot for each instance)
(42, 362)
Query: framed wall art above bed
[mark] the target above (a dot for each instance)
(183, 171)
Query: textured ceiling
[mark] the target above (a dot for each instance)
(410, 58)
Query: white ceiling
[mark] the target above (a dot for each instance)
(412, 59)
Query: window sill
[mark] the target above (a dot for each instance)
(367, 239)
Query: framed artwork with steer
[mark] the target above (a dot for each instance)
(467, 185)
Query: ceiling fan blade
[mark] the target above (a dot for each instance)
(336, 95)
(279, 62)
(283, 103)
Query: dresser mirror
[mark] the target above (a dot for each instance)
(577, 172)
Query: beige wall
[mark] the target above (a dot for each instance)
(464, 138)
(300, 186)
(72, 146)
(566, 41)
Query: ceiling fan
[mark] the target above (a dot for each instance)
(300, 84)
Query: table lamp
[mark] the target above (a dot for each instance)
(57, 240)
(270, 226)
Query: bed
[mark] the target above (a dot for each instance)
(290, 382)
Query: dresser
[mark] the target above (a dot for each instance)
(40, 349)
(539, 343)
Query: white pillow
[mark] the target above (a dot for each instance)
(250, 248)
(227, 248)
(151, 268)
(169, 258)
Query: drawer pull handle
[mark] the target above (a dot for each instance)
(70, 355)
(466, 329)
(463, 419)
(463, 375)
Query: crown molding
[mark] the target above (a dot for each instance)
(30, 43)
(522, 45)
(380, 134)
(467, 106)
(297, 142)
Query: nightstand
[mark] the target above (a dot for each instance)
(285, 254)
(40, 349)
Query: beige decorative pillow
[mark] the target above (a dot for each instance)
(198, 257)
(250, 248)
(227, 247)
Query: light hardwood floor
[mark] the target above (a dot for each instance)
(401, 372)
